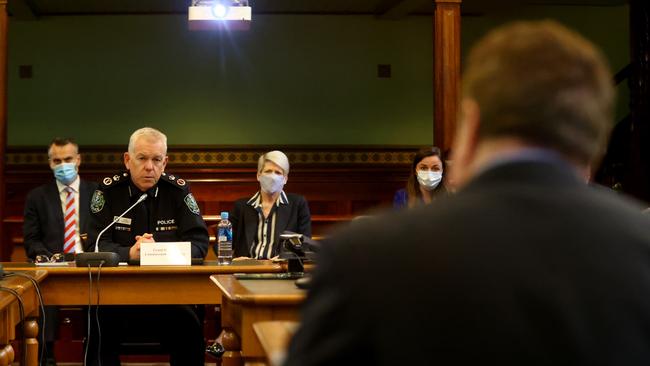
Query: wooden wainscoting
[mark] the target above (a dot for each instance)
(339, 182)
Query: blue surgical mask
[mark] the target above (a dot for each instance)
(429, 180)
(65, 173)
(271, 183)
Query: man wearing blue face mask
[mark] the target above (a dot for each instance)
(56, 216)
(258, 221)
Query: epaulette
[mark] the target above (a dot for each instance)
(115, 180)
(174, 180)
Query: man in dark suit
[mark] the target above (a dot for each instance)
(527, 264)
(258, 221)
(57, 215)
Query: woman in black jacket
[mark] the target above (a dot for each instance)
(258, 221)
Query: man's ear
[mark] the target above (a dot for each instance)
(165, 161)
(472, 123)
(465, 142)
(127, 158)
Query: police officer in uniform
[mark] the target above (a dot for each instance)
(169, 213)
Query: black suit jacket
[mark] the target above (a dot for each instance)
(294, 217)
(43, 225)
(525, 266)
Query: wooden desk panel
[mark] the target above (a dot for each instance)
(246, 302)
(274, 336)
(10, 316)
(136, 285)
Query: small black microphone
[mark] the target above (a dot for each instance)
(104, 259)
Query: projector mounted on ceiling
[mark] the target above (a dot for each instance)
(219, 14)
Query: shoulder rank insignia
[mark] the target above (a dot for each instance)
(175, 181)
(97, 202)
(114, 180)
(191, 204)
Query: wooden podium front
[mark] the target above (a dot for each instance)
(245, 302)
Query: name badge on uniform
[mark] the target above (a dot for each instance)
(122, 220)
(166, 254)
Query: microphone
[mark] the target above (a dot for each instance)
(104, 259)
(300, 247)
(116, 219)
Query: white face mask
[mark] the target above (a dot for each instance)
(271, 183)
(429, 180)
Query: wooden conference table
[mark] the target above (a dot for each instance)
(10, 316)
(242, 302)
(248, 301)
(138, 285)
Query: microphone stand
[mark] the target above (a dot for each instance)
(104, 259)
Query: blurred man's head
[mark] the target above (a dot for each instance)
(147, 157)
(535, 84)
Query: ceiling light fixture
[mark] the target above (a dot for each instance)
(219, 14)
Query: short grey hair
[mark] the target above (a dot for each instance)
(148, 133)
(276, 157)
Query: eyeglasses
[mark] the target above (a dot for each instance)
(57, 257)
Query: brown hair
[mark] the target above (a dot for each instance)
(412, 185)
(542, 83)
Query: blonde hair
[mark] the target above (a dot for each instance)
(148, 133)
(276, 157)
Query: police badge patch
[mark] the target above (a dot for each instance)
(191, 204)
(97, 202)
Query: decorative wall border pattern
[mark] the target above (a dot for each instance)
(228, 157)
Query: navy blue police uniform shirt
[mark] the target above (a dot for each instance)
(170, 213)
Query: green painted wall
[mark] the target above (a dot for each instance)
(289, 80)
(606, 26)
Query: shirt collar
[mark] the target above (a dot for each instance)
(256, 200)
(74, 185)
(529, 155)
(135, 191)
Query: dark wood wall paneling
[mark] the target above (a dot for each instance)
(446, 71)
(338, 182)
(637, 175)
(4, 27)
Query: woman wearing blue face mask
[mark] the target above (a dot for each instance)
(426, 180)
(258, 221)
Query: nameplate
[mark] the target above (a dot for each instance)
(166, 254)
(122, 220)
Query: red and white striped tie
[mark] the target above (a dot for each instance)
(70, 231)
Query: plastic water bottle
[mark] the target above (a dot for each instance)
(224, 240)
